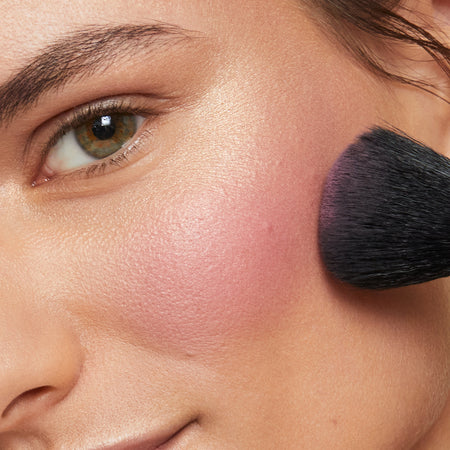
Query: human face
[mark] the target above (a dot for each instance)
(175, 298)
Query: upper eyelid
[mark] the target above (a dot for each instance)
(144, 103)
(77, 116)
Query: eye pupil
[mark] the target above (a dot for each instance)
(104, 128)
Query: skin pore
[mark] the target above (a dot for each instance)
(175, 293)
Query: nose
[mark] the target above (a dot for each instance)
(40, 361)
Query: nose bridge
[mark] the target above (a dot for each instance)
(40, 360)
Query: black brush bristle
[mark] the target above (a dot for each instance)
(385, 213)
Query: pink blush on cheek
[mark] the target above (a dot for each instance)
(217, 267)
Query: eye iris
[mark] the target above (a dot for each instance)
(105, 135)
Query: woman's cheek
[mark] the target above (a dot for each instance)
(222, 259)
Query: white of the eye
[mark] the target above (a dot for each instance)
(67, 154)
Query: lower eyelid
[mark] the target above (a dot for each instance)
(88, 179)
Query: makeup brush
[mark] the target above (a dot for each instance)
(385, 213)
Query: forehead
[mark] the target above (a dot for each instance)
(28, 26)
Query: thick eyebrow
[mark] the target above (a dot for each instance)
(79, 54)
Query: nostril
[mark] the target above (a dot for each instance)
(26, 397)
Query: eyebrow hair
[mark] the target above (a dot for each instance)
(79, 54)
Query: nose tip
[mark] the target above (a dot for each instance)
(39, 365)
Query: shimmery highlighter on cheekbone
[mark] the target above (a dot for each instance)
(385, 213)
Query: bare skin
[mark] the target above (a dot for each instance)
(172, 293)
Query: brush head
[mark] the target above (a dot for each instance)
(385, 214)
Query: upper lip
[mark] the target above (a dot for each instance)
(148, 442)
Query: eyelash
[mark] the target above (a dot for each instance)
(88, 112)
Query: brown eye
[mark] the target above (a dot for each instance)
(105, 135)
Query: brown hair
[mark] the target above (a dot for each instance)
(382, 21)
